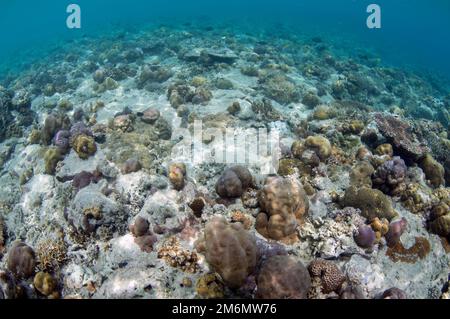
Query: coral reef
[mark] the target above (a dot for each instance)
(283, 204)
(21, 260)
(84, 146)
(372, 203)
(330, 275)
(177, 174)
(233, 182)
(282, 277)
(230, 250)
(46, 285)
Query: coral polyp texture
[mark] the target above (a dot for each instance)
(208, 161)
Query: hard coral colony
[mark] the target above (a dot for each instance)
(101, 198)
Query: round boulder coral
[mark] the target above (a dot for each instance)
(282, 277)
(21, 260)
(234, 182)
(390, 174)
(283, 204)
(320, 145)
(230, 250)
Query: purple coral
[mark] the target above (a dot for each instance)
(62, 140)
(84, 179)
(365, 236)
(390, 174)
(80, 128)
(396, 229)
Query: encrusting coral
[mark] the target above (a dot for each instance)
(230, 250)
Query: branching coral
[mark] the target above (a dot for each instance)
(230, 250)
(51, 254)
(177, 257)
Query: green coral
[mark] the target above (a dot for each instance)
(372, 202)
(51, 159)
(84, 146)
(433, 170)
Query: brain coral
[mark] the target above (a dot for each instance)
(283, 202)
(282, 277)
(230, 250)
(233, 182)
(330, 275)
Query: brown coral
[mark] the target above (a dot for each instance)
(282, 277)
(177, 173)
(320, 145)
(21, 260)
(434, 171)
(209, 286)
(51, 254)
(176, 257)
(419, 250)
(45, 284)
(283, 204)
(331, 276)
(230, 250)
(233, 182)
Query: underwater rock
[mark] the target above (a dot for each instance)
(282, 277)
(361, 174)
(284, 204)
(233, 182)
(211, 56)
(92, 211)
(21, 260)
(394, 293)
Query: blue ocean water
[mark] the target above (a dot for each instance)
(414, 33)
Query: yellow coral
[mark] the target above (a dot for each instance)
(84, 146)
